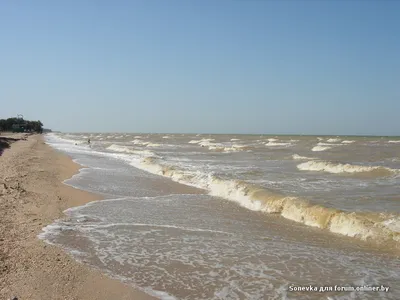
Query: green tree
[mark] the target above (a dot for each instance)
(31, 126)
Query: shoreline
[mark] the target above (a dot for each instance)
(33, 196)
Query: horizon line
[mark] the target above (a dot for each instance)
(205, 133)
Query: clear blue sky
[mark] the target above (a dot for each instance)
(238, 66)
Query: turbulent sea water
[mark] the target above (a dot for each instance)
(236, 216)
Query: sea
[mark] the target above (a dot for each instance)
(202, 216)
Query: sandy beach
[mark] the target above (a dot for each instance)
(32, 196)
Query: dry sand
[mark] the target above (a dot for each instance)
(32, 196)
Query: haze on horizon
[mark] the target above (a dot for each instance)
(229, 66)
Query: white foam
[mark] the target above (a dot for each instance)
(333, 140)
(237, 147)
(159, 294)
(233, 140)
(205, 141)
(351, 225)
(145, 153)
(273, 144)
(328, 144)
(60, 144)
(94, 226)
(118, 148)
(139, 142)
(320, 148)
(336, 168)
(72, 141)
(347, 142)
(299, 157)
(394, 142)
(217, 148)
(393, 224)
(51, 230)
(223, 148)
(153, 145)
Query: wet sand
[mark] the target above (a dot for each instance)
(32, 196)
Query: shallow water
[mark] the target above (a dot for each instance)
(219, 242)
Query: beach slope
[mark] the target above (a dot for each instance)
(32, 196)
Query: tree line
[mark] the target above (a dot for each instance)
(21, 125)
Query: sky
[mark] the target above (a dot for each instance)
(203, 66)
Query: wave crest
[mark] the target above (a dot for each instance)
(337, 168)
(374, 226)
(333, 140)
(118, 148)
(274, 144)
(299, 157)
(201, 141)
(125, 149)
(320, 148)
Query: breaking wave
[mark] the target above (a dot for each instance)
(233, 148)
(299, 157)
(328, 144)
(347, 142)
(337, 168)
(142, 143)
(395, 142)
(324, 146)
(274, 144)
(118, 148)
(139, 142)
(124, 149)
(333, 140)
(153, 145)
(219, 147)
(320, 148)
(223, 149)
(201, 141)
(377, 227)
